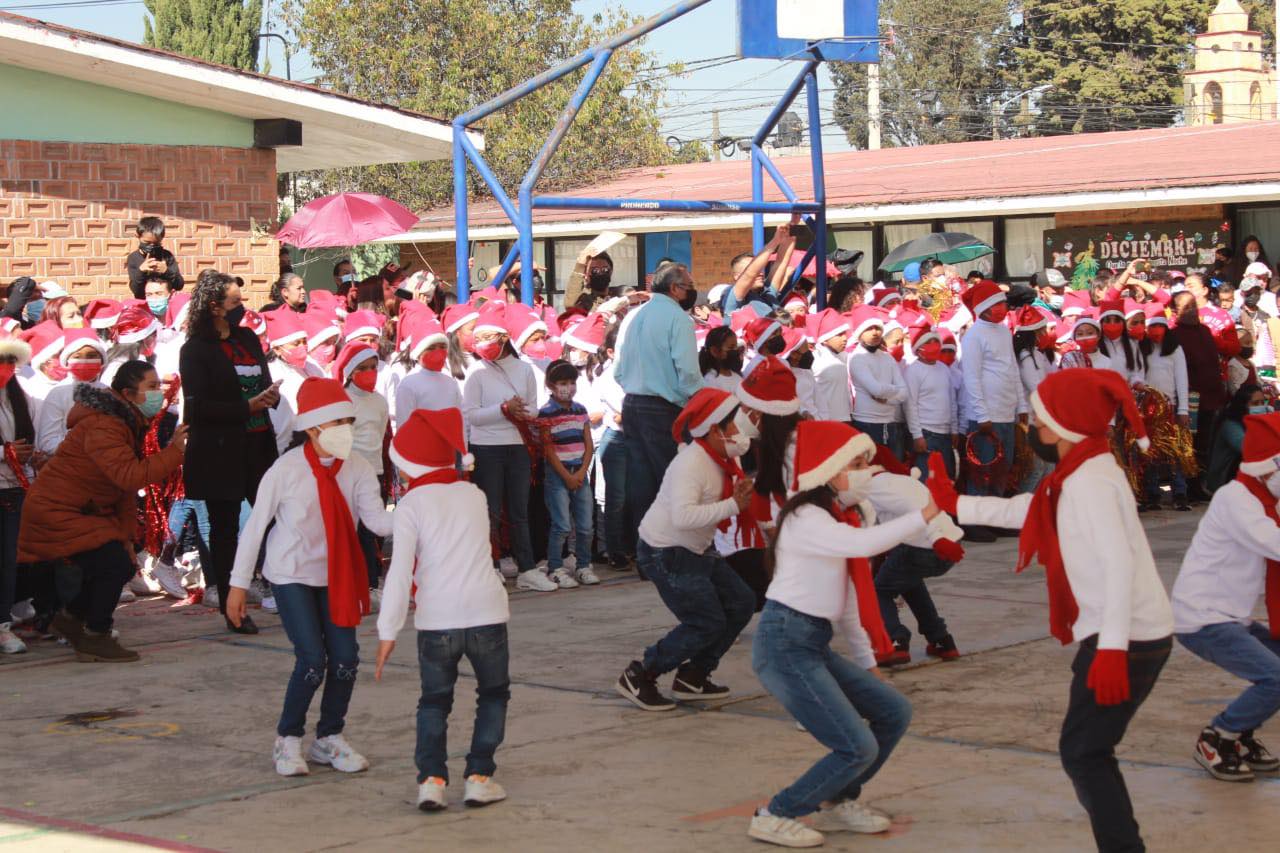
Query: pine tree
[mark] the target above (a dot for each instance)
(221, 31)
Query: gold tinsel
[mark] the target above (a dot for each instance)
(1023, 456)
(942, 297)
(1171, 443)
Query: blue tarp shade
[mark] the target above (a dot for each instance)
(676, 245)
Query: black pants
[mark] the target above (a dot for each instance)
(103, 573)
(224, 515)
(1202, 443)
(748, 564)
(1090, 733)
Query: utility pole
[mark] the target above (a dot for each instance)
(715, 130)
(873, 105)
(995, 118)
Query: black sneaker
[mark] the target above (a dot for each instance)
(1221, 757)
(635, 684)
(620, 564)
(1253, 753)
(1181, 504)
(692, 685)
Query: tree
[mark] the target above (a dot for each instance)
(1111, 64)
(222, 31)
(444, 57)
(938, 74)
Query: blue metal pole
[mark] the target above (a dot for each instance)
(491, 180)
(525, 243)
(507, 262)
(819, 183)
(461, 247)
(757, 196)
(566, 120)
(775, 174)
(574, 203)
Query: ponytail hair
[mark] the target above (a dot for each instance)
(823, 497)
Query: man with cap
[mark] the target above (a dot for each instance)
(702, 490)
(1082, 525)
(1234, 558)
(1051, 288)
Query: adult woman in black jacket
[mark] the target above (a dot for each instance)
(226, 391)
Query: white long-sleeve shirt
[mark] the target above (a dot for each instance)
(51, 424)
(426, 389)
(370, 427)
(1168, 375)
(297, 549)
(389, 378)
(688, 506)
(894, 495)
(284, 415)
(1104, 551)
(1225, 570)
(831, 376)
(488, 385)
(442, 545)
(1114, 350)
(37, 385)
(1033, 367)
(992, 384)
(610, 394)
(8, 433)
(810, 574)
(806, 391)
(930, 401)
(875, 374)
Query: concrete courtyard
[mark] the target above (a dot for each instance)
(174, 752)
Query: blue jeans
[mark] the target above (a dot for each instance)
(503, 473)
(847, 709)
(10, 520)
(712, 603)
(1248, 652)
(936, 442)
(184, 513)
(1161, 471)
(903, 573)
(320, 649)
(485, 648)
(986, 452)
(650, 449)
(619, 540)
(564, 506)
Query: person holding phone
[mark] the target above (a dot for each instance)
(151, 261)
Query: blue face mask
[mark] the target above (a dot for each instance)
(151, 406)
(158, 305)
(34, 309)
(1259, 410)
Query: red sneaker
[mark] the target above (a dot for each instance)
(900, 655)
(944, 649)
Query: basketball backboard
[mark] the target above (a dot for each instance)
(841, 30)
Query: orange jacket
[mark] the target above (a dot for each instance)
(86, 495)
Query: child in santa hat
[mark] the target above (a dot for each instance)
(830, 368)
(311, 499)
(878, 386)
(702, 489)
(821, 577)
(1234, 558)
(83, 355)
(432, 387)
(932, 419)
(442, 546)
(1082, 525)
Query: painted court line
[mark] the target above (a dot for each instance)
(54, 824)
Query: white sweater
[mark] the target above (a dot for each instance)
(51, 424)
(297, 550)
(389, 378)
(370, 427)
(810, 574)
(992, 384)
(1225, 570)
(426, 389)
(806, 391)
(488, 385)
(37, 385)
(1104, 551)
(831, 376)
(1114, 350)
(1033, 367)
(688, 506)
(442, 545)
(1168, 375)
(930, 401)
(284, 415)
(875, 374)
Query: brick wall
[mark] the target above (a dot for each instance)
(1138, 215)
(713, 253)
(68, 211)
(438, 255)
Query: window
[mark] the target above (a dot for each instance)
(1255, 101)
(984, 231)
(1263, 223)
(1213, 103)
(1024, 244)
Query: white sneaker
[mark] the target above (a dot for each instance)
(210, 597)
(588, 576)
(431, 795)
(257, 591)
(338, 754)
(375, 600)
(138, 585)
(564, 579)
(269, 604)
(783, 831)
(126, 595)
(287, 755)
(507, 567)
(190, 564)
(483, 791)
(536, 581)
(22, 612)
(169, 577)
(852, 816)
(11, 645)
(571, 562)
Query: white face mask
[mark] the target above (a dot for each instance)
(1252, 256)
(1055, 301)
(737, 445)
(859, 486)
(1273, 485)
(578, 358)
(337, 440)
(746, 429)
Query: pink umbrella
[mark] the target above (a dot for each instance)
(811, 270)
(345, 219)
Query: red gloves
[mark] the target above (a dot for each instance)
(948, 550)
(940, 485)
(1109, 676)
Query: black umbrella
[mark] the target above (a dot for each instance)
(949, 247)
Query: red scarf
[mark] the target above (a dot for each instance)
(749, 533)
(1268, 501)
(1040, 535)
(442, 475)
(348, 577)
(864, 587)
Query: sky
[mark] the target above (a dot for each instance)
(744, 90)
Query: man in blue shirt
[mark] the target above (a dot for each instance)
(658, 370)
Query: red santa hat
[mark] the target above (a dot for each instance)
(795, 297)
(284, 326)
(760, 330)
(175, 316)
(770, 388)
(743, 317)
(1074, 302)
(791, 339)
(1031, 319)
(708, 407)
(1079, 404)
(883, 296)
(321, 328)
(45, 340)
(1260, 453)
(74, 340)
(352, 356)
(1111, 308)
(1088, 317)
(423, 331)
(103, 313)
(586, 335)
(1156, 315)
(431, 439)
(321, 401)
(457, 316)
(955, 318)
(921, 335)
(824, 449)
(136, 323)
(864, 317)
(325, 302)
(983, 295)
(254, 322)
(1133, 308)
(830, 323)
(9, 325)
(361, 323)
(948, 338)
(521, 323)
(492, 317)
(909, 318)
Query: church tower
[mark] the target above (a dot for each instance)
(1231, 81)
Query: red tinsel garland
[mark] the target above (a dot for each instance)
(159, 496)
(979, 473)
(11, 456)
